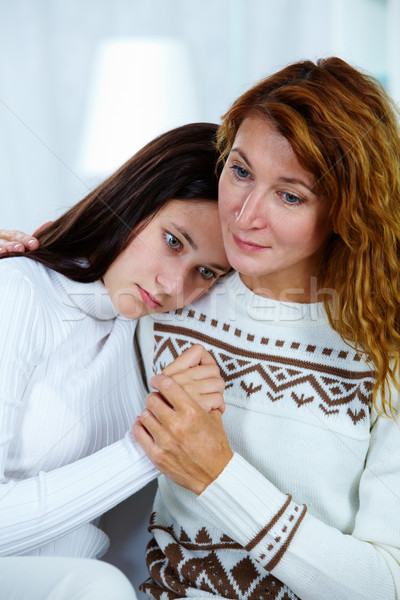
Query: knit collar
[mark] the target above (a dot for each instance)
(90, 298)
(275, 311)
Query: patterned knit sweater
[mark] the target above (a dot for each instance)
(309, 505)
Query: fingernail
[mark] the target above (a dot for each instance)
(17, 247)
(31, 243)
(3, 250)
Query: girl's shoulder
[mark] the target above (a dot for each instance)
(21, 266)
(21, 277)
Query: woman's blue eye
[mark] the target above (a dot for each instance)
(291, 198)
(172, 240)
(240, 172)
(207, 273)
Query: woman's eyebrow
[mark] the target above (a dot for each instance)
(243, 156)
(308, 186)
(283, 179)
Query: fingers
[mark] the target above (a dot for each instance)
(193, 374)
(16, 241)
(190, 447)
(206, 386)
(171, 391)
(192, 357)
(212, 402)
(158, 407)
(142, 436)
(206, 395)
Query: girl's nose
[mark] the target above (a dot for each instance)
(171, 280)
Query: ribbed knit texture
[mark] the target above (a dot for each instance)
(70, 391)
(309, 505)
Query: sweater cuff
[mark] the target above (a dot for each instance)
(252, 511)
(139, 456)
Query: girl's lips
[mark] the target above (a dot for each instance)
(148, 299)
(248, 246)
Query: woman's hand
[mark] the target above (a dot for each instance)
(16, 241)
(184, 441)
(196, 371)
(181, 429)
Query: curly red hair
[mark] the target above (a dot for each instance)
(344, 129)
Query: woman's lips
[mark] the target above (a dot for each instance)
(248, 246)
(148, 299)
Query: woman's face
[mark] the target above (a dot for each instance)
(274, 226)
(171, 262)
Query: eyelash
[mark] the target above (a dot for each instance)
(235, 170)
(299, 199)
(212, 276)
(167, 237)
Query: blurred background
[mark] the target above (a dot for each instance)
(85, 83)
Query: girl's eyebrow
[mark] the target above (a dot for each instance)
(185, 234)
(219, 268)
(190, 241)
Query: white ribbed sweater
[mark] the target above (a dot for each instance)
(309, 506)
(70, 391)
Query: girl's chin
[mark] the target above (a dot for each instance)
(129, 307)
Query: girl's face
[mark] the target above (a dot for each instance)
(174, 260)
(274, 226)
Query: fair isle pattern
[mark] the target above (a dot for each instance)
(274, 371)
(187, 564)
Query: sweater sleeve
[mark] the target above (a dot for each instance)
(310, 557)
(39, 509)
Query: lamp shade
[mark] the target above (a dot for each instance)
(140, 88)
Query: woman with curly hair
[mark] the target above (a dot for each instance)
(295, 492)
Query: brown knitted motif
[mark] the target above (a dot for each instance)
(275, 374)
(175, 576)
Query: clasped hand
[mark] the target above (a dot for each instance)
(181, 428)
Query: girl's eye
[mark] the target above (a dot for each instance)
(207, 273)
(240, 172)
(291, 198)
(172, 241)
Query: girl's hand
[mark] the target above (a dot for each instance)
(196, 371)
(16, 241)
(184, 441)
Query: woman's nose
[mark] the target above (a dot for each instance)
(252, 213)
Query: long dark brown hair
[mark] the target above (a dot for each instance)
(83, 242)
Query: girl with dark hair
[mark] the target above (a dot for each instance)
(146, 240)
